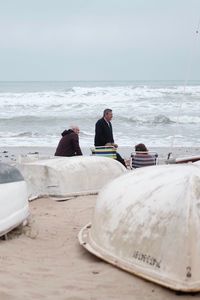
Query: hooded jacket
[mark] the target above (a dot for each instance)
(69, 144)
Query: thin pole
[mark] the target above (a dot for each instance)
(188, 73)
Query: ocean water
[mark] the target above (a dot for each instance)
(155, 113)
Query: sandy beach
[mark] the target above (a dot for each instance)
(113, 72)
(13, 154)
(44, 260)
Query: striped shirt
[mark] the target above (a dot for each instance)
(143, 160)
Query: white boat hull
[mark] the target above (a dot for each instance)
(147, 223)
(69, 176)
(13, 199)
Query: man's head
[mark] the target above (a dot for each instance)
(107, 114)
(75, 129)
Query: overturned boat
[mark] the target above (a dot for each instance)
(13, 200)
(147, 222)
(69, 176)
(183, 160)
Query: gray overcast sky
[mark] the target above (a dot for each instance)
(99, 39)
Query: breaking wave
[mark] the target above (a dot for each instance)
(38, 112)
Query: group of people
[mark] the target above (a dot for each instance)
(69, 143)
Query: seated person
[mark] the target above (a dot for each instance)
(69, 143)
(142, 158)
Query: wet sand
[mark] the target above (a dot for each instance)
(13, 154)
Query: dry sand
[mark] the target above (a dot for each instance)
(45, 261)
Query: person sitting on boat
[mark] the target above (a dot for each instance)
(142, 158)
(69, 143)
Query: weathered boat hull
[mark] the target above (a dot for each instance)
(69, 176)
(147, 223)
(13, 199)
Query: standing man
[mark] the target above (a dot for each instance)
(103, 129)
(69, 143)
(104, 133)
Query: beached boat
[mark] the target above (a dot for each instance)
(69, 176)
(13, 198)
(147, 223)
(183, 160)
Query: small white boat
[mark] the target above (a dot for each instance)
(148, 223)
(13, 198)
(69, 176)
(183, 160)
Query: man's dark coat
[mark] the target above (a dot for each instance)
(103, 133)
